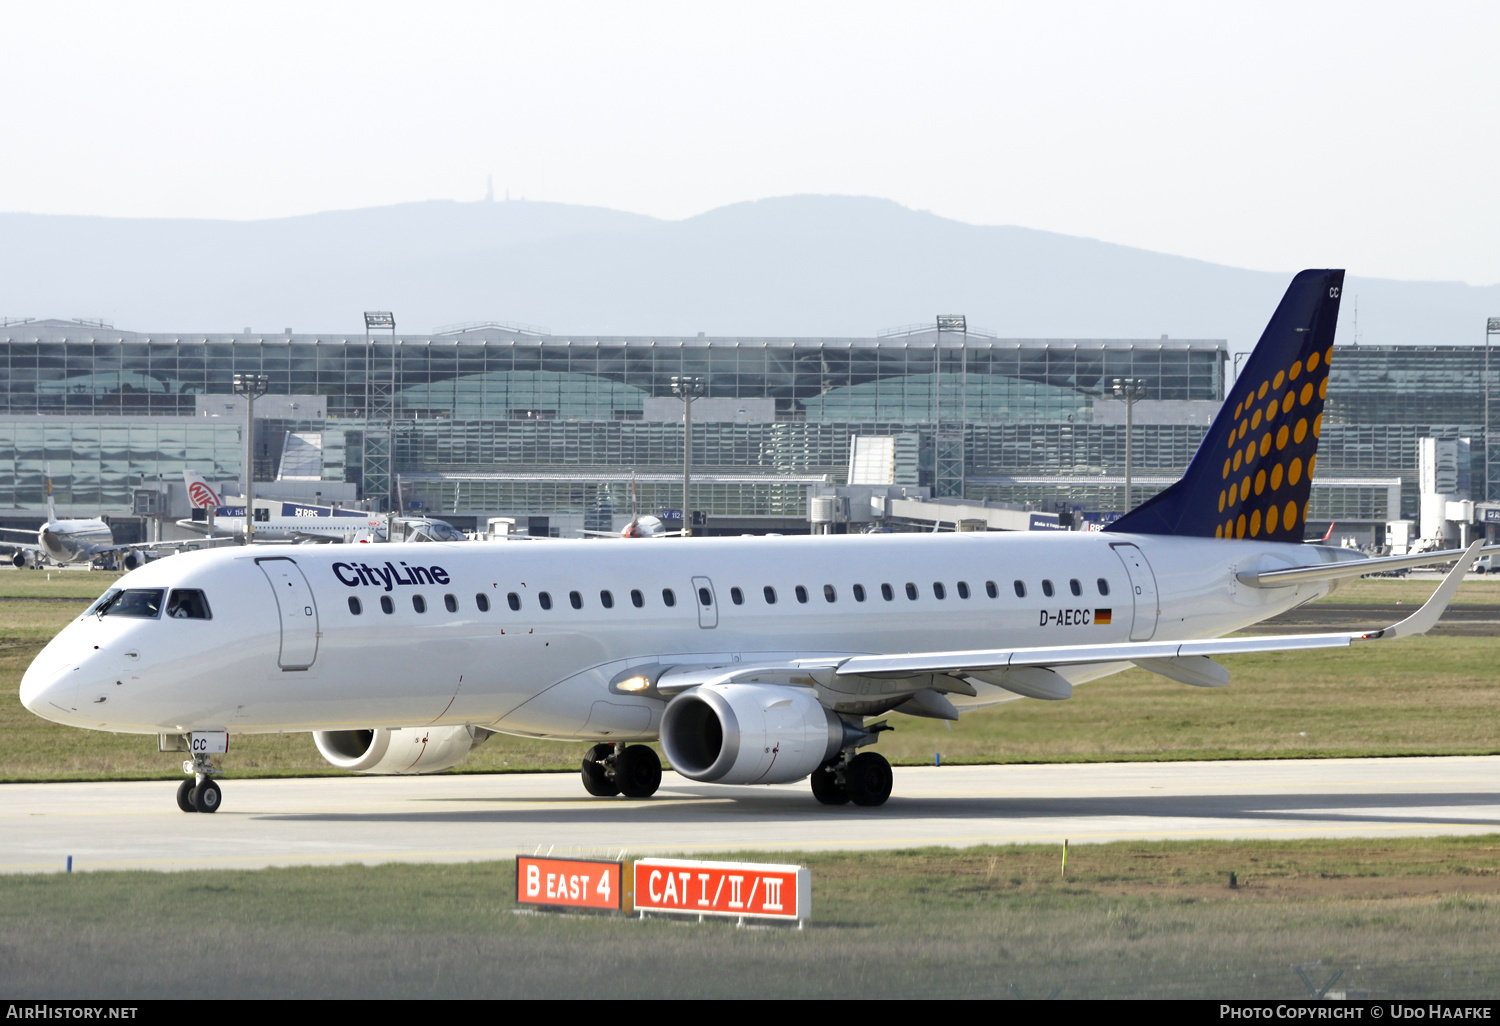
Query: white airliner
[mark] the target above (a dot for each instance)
(753, 660)
(310, 526)
(76, 541)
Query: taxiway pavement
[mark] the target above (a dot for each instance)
(459, 818)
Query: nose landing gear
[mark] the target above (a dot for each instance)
(610, 769)
(200, 794)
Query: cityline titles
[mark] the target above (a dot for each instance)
(388, 576)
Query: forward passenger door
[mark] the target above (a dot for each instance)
(298, 612)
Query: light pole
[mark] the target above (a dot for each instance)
(1129, 389)
(250, 386)
(687, 388)
(1491, 328)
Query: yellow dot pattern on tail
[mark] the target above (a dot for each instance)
(1251, 479)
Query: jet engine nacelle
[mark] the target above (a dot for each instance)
(749, 733)
(18, 560)
(402, 750)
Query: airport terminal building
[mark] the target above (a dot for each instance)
(557, 432)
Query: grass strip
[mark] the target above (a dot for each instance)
(1408, 918)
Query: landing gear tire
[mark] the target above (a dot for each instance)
(185, 796)
(637, 772)
(826, 787)
(207, 796)
(869, 779)
(596, 780)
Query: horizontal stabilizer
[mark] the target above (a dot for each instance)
(1293, 575)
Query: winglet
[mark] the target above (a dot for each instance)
(1425, 618)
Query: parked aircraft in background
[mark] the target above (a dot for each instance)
(229, 521)
(77, 541)
(754, 661)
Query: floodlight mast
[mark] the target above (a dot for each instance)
(1491, 329)
(1129, 389)
(380, 409)
(250, 386)
(687, 388)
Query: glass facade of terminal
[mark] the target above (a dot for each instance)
(506, 423)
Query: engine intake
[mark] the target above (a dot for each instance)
(400, 750)
(750, 733)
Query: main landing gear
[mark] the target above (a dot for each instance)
(610, 769)
(201, 793)
(864, 779)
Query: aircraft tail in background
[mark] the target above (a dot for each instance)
(201, 495)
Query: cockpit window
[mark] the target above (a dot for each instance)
(138, 602)
(188, 604)
(102, 601)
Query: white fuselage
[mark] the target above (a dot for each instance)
(74, 541)
(546, 672)
(287, 529)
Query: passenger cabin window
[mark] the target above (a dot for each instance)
(669, 596)
(801, 593)
(1047, 588)
(887, 592)
(636, 598)
(575, 600)
(606, 600)
(1075, 587)
(704, 598)
(450, 603)
(859, 593)
(354, 606)
(142, 603)
(514, 601)
(736, 596)
(938, 591)
(991, 590)
(188, 604)
(911, 591)
(386, 605)
(419, 603)
(1020, 589)
(1103, 586)
(770, 594)
(829, 594)
(483, 602)
(963, 589)
(544, 599)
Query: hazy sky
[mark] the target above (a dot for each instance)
(1262, 135)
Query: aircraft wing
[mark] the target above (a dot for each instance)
(17, 530)
(1032, 671)
(179, 543)
(1292, 575)
(1188, 661)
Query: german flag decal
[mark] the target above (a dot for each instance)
(1102, 616)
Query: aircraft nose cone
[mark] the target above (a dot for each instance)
(47, 691)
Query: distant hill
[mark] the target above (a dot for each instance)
(798, 265)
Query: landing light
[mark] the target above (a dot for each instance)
(634, 684)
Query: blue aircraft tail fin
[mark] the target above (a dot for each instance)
(1252, 476)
